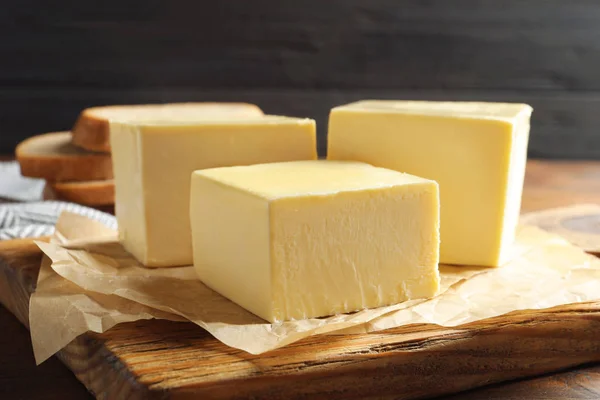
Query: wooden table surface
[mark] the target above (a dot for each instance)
(548, 184)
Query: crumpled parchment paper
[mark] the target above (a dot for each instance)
(91, 284)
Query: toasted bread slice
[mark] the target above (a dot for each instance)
(91, 130)
(52, 156)
(91, 193)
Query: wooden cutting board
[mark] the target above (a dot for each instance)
(162, 359)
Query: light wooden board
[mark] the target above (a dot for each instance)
(161, 359)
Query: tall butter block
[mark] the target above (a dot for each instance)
(308, 239)
(475, 151)
(153, 163)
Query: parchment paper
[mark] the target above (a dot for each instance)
(93, 284)
(579, 224)
(59, 310)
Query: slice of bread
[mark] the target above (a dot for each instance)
(91, 130)
(92, 193)
(52, 156)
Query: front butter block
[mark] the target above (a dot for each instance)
(475, 151)
(308, 239)
(153, 163)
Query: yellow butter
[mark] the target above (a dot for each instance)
(153, 163)
(475, 151)
(307, 239)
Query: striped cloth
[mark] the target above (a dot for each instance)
(35, 218)
(15, 187)
(22, 220)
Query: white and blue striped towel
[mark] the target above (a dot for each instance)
(35, 218)
(22, 220)
(15, 187)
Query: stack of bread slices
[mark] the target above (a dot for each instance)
(77, 165)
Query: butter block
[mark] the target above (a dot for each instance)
(475, 151)
(308, 239)
(153, 163)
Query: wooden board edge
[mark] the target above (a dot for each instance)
(16, 286)
(87, 357)
(411, 367)
(467, 360)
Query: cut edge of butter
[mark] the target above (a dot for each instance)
(306, 255)
(457, 109)
(222, 176)
(207, 121)
(153, 165)
(476, 151)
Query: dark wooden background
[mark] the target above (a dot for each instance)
(301, 57)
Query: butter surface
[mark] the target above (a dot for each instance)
(475, 151)
(153, 162)
(308, 239)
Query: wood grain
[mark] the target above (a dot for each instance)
(341, 44)
(563, 124)
(160, 359)
(19, 376)
(580, 384)
(560, 183)
(302, 58)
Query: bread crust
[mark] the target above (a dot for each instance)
(92, 193)
(92, 131)
(61, 166)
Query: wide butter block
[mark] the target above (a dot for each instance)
(475, 151)
(153, 163)
(308, 239)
